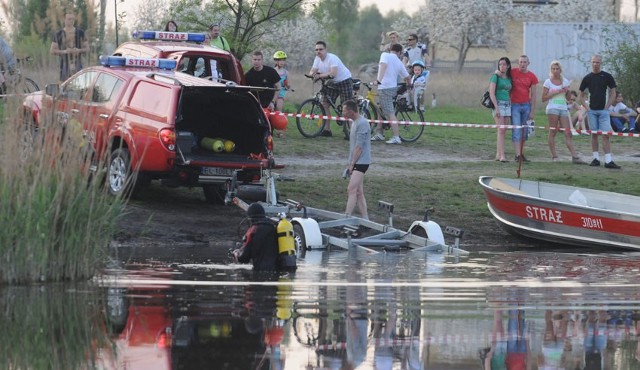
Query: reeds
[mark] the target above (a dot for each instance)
(56, 219)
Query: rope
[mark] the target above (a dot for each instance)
(458, 125)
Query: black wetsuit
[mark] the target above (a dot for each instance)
(260, 246)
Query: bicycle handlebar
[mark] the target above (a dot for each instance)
(322, 79)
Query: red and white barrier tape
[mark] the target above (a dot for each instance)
(459, 125)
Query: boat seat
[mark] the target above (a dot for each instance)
(501, 185)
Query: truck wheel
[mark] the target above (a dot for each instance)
(214, 194)
(119, 172)
(299, 240)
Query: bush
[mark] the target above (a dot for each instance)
(56, 224)
(623, 59)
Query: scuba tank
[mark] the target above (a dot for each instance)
(286, 244)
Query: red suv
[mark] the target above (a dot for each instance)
(167, 125)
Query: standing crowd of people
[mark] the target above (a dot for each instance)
(513, 94)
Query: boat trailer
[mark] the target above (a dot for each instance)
(316, 228)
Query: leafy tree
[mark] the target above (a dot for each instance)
(622, 60)
(341, 16)
(465, 23)
(296, 37)
(367, 30)
(243, 22)
(43, 17)
(152, 15)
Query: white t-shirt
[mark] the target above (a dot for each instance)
(559, 100)
(619, 108)
(331, 60)
(415, 53)
(395, 69)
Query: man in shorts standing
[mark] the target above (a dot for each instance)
(328, 65)
(597, 83)
(359, 158)
(389, 71)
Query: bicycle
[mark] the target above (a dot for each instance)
(15, 82)
(404, 112)
(310, 118)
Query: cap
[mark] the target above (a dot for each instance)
(255, 210)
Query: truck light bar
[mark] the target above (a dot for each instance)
(169, 36)
(116, 61)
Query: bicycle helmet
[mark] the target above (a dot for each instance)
(279, 55)
(418, 63)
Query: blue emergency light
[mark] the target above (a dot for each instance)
(169, 36)
(117, 61)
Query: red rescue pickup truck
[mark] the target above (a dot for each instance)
(143, 117)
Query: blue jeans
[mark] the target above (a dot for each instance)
(599, 120)
(519, 116)
(618, 123)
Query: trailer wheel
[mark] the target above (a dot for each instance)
(299, 240)
(419, 231)
(253, 193)
(214, 194)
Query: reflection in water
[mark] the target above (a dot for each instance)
(347, 310)
(50, 327)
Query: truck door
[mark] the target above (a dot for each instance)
(105, 95)
(72, 106)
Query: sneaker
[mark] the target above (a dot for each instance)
(524, 159)
(326, 133)
(377, 137)
(577, 160)
(594, 163)
(394, 140)
(612, 165)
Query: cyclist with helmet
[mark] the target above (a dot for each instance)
(418, 84)
(280, 58)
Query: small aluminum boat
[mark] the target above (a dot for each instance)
(564, 214)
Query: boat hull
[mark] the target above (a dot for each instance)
(564, 214)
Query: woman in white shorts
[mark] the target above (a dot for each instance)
(554, 92)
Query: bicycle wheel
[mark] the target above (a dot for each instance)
(410, 133)
(370, 113)
(29, 85)
(310, 126)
